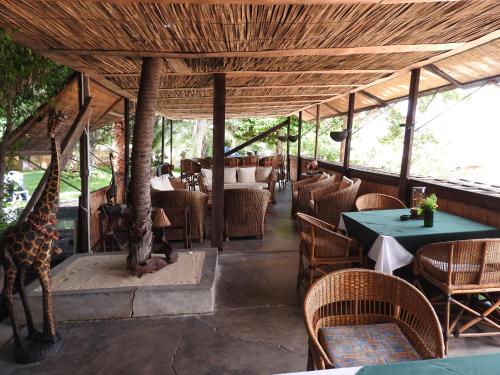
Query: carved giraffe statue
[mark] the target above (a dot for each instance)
(29, 243)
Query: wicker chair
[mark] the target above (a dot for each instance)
(206, 163)
(249, 161)
(189, 172)
(322, 248)
(329, 202)
(464, 268)
(299, 184)
(244, 212)
(174, 203)
(305, 193)
(231, 162)
(349, 298)
(375, 201)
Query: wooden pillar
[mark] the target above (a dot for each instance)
(299, 144)
(316, 139)
(171, 142)
(163, 140)
(219, 118)
(409, 131)
(288, 149)
(126, 124)
(83, 242)
(350, 120)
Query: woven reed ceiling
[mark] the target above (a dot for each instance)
(279, 57)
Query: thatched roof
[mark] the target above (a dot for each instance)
(30, 138)
(280, 56)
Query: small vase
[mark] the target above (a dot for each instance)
(428, 218)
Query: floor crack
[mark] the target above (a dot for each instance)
(133, 301)
(181, 340)
(225, 333)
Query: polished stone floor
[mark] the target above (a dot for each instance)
(257, 327)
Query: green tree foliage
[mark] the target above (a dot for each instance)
(26, 81)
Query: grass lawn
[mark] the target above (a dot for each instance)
(98, 179)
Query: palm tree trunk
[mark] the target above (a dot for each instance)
(140, 235)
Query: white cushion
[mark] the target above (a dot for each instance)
(345, 183)
(255, 185)
(262, 173)
(207, 173)
(246, 175)
(161, 183)
(229, 175)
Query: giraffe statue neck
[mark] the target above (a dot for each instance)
(48, 203)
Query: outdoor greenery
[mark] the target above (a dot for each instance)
(26, 81)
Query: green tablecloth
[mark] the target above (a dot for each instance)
(366, 226)
(473, 365)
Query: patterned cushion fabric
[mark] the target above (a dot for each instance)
(229, 175)
(246, 175)
(262, 174)
(349, 346)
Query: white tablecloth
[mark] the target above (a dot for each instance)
(386, 251)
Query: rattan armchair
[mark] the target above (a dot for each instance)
(356, 297)
(190, 169)
(375, 201)
(244, 212)
(329, 202)
(299, 184)
(305, 193)
(464, 268)
(174, 203)
(321, 248)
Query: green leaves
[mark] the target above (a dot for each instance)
(428, 204)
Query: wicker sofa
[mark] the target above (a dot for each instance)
(175, 202)
(244, 212)
(241, 178)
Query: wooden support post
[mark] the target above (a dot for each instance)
(409, 131)
(163, 140)
(316, 139)
(219, 118)
(299, 144)
(350, 120)
(83, 238)
(126, 124)
(171, 142)
(288, 149)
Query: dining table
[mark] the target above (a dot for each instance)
(392, 243)
(467, 365)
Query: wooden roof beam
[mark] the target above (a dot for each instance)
(179, 66)
(284, 87)
(267, 2)
(337, 51)
(258, 73)
(372, 97)
(435, 70)
(465, 47)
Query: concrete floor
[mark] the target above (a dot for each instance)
(257, 327)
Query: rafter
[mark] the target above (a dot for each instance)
(179, 66)
(467, 46)
(435, 70)
(258, 73)
(268, 2)
(373, 97)
(283, 87)
(337, 51)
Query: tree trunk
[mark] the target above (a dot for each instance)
(3, 152)
(140, 235)
(200, 131)
(119, 160)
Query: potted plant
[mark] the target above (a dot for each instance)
(427, 208)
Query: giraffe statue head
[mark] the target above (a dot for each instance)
(56, 118)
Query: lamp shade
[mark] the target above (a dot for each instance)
(282, 138)
(293, 138)
(339, 136)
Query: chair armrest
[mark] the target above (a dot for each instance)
(325, 191)
(202, 183)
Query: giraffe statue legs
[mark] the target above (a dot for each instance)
(29, 244)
